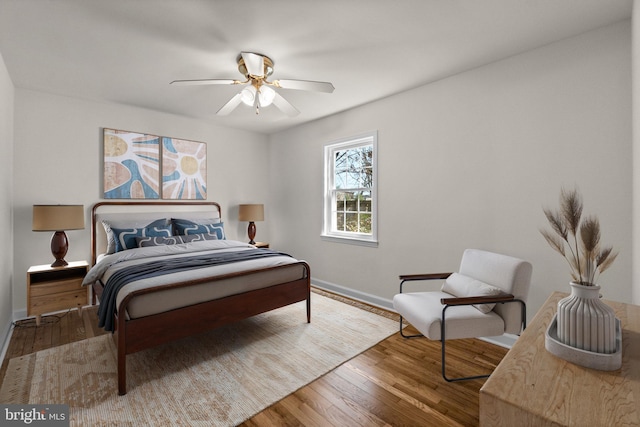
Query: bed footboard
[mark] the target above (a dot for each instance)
(133, 335)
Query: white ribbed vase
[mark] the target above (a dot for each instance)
(585, 322)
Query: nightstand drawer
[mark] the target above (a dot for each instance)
(59, 301)
(56, 286)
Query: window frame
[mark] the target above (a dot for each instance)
(329, 202)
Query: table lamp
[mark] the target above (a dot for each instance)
(251, 213)
(58, 218)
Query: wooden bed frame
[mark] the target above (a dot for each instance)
(132, 335)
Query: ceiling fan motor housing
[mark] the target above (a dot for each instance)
(268, 66)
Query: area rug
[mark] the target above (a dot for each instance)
(219, 378)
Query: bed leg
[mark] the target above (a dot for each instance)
(122, 357)
(309, 309)
(122, 374)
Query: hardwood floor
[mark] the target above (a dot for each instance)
(397, 382)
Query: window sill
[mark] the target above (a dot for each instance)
(349, 240)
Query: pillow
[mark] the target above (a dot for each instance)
(198, 237)
(185, 227)
(110, 225)
(462, 286)
(158, 241)
(126, 237)
(173, 240)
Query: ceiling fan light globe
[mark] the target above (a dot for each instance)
(248, 95)
(265, 96)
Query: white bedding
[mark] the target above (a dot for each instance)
(166, 300)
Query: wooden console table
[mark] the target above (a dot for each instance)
(532, 387)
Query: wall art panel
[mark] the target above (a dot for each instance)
(131, 165)
(184, 169)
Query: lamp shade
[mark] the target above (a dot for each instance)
(58, 217)
(251, 212)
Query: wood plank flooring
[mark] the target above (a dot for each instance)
(395, 383)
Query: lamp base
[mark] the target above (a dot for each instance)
(251, 231)
(59, 247)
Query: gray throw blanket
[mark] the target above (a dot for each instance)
(130, 274)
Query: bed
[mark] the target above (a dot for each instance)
(145, 302)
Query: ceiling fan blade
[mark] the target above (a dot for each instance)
(254, 64)
(230, 106)
(305, 85)
(204, 82)
(284, 105)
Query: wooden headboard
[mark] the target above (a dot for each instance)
(123, 210)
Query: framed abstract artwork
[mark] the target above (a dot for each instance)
(131, 165)
(143, 166)
(184, 169)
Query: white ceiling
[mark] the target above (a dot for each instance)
(127, 51)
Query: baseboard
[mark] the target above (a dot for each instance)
(353, 294)
(6, 335)
(506, 340)
(8, 331)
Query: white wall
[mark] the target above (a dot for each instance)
(469, 161)
(58, 150)
(6, 193)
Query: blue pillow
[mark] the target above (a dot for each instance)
(186, 227)
(197, 237)
(124, 224)
(126, 237)
(158, 241)
(174, 240)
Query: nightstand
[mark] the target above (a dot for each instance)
(262, 245)
(56, 288)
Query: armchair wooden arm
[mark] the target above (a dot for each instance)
(432, 276)
(478, 300)
(415, 277)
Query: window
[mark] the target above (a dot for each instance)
(350, 190)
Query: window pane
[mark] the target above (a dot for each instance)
(351, 222)
(353, 167)
(339, 221)
(341, 198)
(365, 201)
(365, 223)
(341, 180)
(351, 204)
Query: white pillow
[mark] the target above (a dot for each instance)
(462, 286)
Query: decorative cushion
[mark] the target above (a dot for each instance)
(141, 223)
(126, 238)
(462, 286)
(185, 227)
(158, 241)
(173, 240)
(198, 237)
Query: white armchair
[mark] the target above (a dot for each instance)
(474, 302)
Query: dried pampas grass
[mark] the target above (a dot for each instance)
(577, 239)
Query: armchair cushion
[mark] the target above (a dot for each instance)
(462, 286)
(424, 311)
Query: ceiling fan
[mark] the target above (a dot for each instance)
(260, 92)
